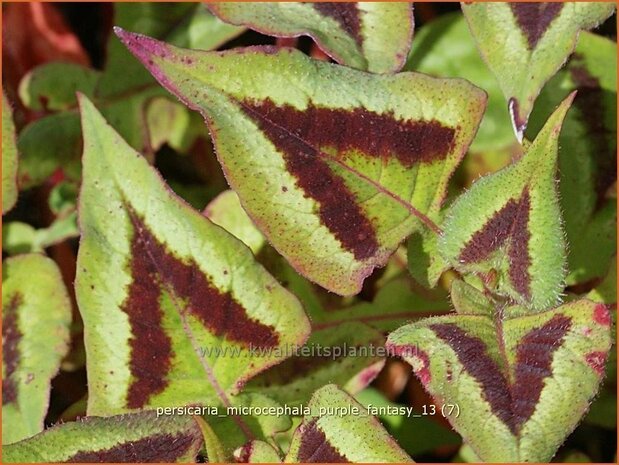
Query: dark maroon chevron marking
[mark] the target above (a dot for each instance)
(316, 448)
(11, 335)
(154, 269)
(511, 221)
(592, 102)
(513, 403)
(375, 135)
(300, 135)
(151, 347)
(534, 356)
(519, 248)
(472, 354)
(347, 16)
(534, 18)
(160, 448)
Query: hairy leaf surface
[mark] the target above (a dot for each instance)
(36, 312)
(335, 166)
(333, 433)
(370, 36)
(530, 378)
(9, 157)
(134, 438)
(509, 225)
(525, 44)
(172, 304)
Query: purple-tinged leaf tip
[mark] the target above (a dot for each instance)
(141, 46)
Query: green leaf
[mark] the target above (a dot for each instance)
(209, 305)
(171, 123)
(9, 157)
(255, 417)
(507, 227)
(47, 144)
(425, 263)
(469, 300)
(339, 429)
(416, 434)
(52, 87)
(18, 237)
(36, 312)
(336, 167)
(369, 36)
(135, 105)
(226, 211)
(63, 198)
(525, 44)
(394, 304)
(588, 155)
(529, 377)
(213, 447)
(257, 452)
(444, 47)
(137, 438)
(350, 354)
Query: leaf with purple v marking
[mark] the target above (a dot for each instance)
(135, 438)
(172, 304)
(509, 223)
(36, 313)
(530, 378)
(525, 44)
(336, 167)
(370, 36)
(338, 429)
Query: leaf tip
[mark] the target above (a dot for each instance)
(86, 108)
(555, 122)
(141, 46)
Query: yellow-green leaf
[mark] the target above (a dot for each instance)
(507, 227)
(136, 438)
(335, 166)
(517, 385)
(525, 44)
(370, 36)
(173, 305)
(36, 312)
(339, 429)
